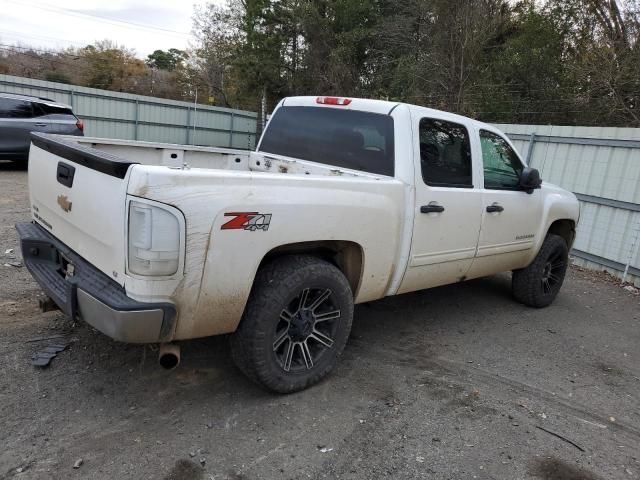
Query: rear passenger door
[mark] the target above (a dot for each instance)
(448, 205)
(16, 123)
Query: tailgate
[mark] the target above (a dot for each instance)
(79, 195)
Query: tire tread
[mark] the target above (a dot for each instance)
(525, 282)
(272, 284)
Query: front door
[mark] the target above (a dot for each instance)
(510, 216)
(448, 207)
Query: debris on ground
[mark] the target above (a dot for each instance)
(564, 439)
(78, 463)
(13, 264)
(8, 251)
(631, 289)
(42, 339)
(43, 357)
(324, 449)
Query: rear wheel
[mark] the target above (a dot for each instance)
(538, 284)
(296, 323)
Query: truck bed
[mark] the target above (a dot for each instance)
(192, 156)
(306, 203)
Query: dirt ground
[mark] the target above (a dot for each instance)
(458, 382)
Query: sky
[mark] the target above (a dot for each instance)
(143, 25)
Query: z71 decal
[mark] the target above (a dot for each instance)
(251, 221)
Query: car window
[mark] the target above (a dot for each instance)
(502, 167)
(54, 109)
(343, 138)
(11, 108)
(445, 154)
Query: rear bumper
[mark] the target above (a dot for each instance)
(83, 291)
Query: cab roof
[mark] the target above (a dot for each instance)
(383, 107)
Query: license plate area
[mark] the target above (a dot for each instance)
(44, 252)
(66, 268)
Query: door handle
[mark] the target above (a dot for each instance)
(41, 124)
(432, 208)
(495, 208)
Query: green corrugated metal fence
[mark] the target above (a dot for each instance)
(601, 165)
(136, 117)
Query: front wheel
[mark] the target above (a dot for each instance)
(538, 284)
(295, 325)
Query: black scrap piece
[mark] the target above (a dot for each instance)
(43, 357)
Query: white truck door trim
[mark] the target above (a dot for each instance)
(405, 172)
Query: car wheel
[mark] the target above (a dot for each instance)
(538, 284)
(295, 325)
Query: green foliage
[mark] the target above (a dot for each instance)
(56, 76)
(514, 61)
(111, 67)
(567, 61)
(168, 60)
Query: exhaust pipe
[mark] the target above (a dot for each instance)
(169, 355)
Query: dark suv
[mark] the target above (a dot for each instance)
(22, 114)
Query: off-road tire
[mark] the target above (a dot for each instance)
(528, 284)
(276, 286)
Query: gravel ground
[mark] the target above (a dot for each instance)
(458, 382)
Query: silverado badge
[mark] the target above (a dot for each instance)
(64, 203)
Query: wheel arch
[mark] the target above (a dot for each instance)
(346, 255)
(565, 228)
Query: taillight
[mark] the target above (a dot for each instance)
(333, 101)
(80, 125)
(154, 240)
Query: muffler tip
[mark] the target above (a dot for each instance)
(169, 356)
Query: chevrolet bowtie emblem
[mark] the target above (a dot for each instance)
(64, 203)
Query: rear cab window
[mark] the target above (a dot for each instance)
(343, 138)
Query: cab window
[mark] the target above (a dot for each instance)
(502, 167)
(445, 154)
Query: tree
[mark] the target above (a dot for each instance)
(168, 60)
(57, 76)
(112, 67)
(217, 42)
(563, 62)
(602, 58)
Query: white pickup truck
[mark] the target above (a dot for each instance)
(344, 201)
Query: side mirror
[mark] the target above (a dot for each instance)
(530, 179)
